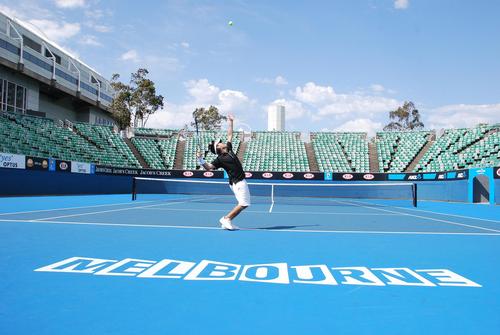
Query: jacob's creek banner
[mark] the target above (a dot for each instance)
(159, 173)
(11, 161)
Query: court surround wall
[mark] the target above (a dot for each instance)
(20, 182)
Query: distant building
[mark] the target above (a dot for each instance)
(39, 78)
(276, 119)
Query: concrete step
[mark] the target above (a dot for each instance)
(311, 157)
(136, 153)
(179, 154)
(373, 155)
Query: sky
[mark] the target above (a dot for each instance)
(334, 65)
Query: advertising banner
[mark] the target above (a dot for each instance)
(37, 163)
(159, 173)
(12, 161)
(284, 175)
(358, 176)
(496, 172)
(79, 167)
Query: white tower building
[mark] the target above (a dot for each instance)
(276, 119)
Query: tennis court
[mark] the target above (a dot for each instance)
(109, 265)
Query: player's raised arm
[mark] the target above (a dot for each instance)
(230, 120)
(202, 162)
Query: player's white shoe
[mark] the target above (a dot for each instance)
(227, 224)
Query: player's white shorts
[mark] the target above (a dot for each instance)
(240, 190)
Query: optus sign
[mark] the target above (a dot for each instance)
(12, 161)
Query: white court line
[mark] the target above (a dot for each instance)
(121, 209)
(255, 229)
(79, 207)
(446, 214)
(419, 216)
(265, 212)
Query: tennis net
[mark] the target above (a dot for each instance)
(275, 192)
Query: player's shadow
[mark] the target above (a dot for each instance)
(285, 227)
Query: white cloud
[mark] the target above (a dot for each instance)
(377, 88)
(461, 115)
(314, 94)
(70, 3)
(401, 4)
(293, 109)
(232, 101)
(90, 40)
(130, 55)
(327, 102)
(362, 124)
(56, 31)
(278, 81)
(201, 93)
(101, 28)
(185, 45)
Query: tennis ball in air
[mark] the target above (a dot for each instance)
(230, 23)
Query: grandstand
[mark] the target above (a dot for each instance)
(341, 152)
(275, 151)
(396, 150)
(265, 151)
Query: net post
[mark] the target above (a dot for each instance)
(134, 196)
(414, 189)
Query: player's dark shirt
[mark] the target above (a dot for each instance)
(231, 164)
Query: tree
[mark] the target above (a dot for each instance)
(136, 101)
(208, 119)
(406, 117)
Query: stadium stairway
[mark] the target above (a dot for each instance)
(136, 153)
(430, 141)
(179, 154)
(311, 157)
(374, 166)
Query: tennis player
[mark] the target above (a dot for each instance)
(228, 160)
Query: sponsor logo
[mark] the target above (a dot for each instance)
(287, 175)
(441, 176)
(267, 175)
(45, 164)
(347, 176)
(208, 174)
(12, 161)
(187, 173)
(63, 166)
(460, 175)
(29, 163)
(498, 172)
(269, 273)
(248, 175)
(413, 177)
(368, 176)
(308, 175)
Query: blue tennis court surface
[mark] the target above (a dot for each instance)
(107, 265)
